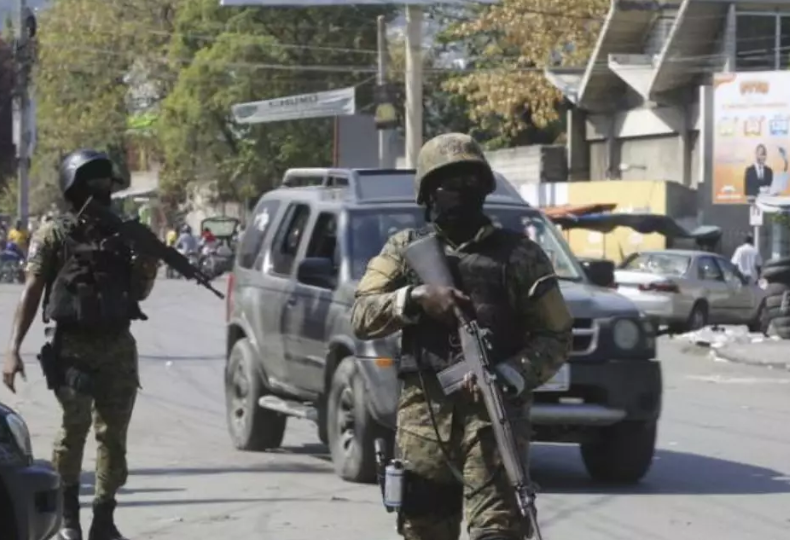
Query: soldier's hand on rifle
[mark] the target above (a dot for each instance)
(470, 386)
(12, 365)
(440, 303)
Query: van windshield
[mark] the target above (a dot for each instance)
(370, 229)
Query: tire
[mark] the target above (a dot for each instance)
(323, 436)
(623, 454)
(781, 326)
(781, 320)
(774, 289)
(351, 429)
(777, 274)
(777, 263)
(251, 427)
(774, 302)
(698, 318)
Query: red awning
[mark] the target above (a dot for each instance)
(567, 210)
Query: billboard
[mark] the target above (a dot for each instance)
(751, 137)
(316, 105)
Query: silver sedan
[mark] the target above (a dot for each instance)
(687, 290)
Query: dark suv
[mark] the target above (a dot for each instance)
(30, 502)
(292, 352)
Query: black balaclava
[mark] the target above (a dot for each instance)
(455, 202)
(83, 188)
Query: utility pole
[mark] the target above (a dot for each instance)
(386, 160)
(25, 29)
(414, 16)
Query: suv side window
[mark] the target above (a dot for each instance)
(323, 241)
(289, 236)
(256, 232)
(337, 181)
(708, 270)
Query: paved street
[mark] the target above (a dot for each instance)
(722, 471)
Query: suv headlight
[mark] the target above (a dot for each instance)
(21, 434)
(626, 334)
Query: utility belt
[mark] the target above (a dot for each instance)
(410, 494)
(59, 371)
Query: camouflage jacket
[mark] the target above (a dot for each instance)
(45, 260)
(381, 296)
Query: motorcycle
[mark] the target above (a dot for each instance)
(12, 271)
(12, 266)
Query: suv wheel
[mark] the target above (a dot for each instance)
(251, 427)
(623, 453)
(351, 429)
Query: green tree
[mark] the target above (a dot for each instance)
(443, 111)
(236, 55)
(509, 45)
(87, 52)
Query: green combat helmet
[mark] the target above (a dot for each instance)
(450, 149)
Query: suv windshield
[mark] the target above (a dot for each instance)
(369, 230)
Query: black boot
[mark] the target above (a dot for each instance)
(71, 530)
(103, 526)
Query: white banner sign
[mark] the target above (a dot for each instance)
(320, 104)
(308, 3)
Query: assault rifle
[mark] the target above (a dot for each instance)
(141, 239)
(426, 257)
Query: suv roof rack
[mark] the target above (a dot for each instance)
(379, 185)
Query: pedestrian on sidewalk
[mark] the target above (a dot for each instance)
(748, 260)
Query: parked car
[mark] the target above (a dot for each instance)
(30, 500)
(687, 290)
(292, 352)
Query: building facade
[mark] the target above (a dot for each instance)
(642, 109)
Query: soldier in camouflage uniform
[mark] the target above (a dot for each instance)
(107, 353)
(509, 284)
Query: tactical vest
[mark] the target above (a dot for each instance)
(481, 273)
(92, 291)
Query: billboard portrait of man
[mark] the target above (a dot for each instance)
(758, 177)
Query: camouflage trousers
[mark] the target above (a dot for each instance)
(468, 439)
(113, 360)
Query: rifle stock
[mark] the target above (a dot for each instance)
(426, 257)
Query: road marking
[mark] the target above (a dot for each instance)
(719, 379)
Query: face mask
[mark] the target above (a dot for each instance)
(456, 209)
(79, 197)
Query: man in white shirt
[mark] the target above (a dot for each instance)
(748, 260)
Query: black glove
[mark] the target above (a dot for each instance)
(440, 303)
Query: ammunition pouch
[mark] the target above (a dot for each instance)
(424, 497)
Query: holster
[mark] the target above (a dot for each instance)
(59, 371)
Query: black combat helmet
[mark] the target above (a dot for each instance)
(85, 164)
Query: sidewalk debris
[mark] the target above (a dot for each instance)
(737, 344)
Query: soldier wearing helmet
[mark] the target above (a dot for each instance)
(91, 359)
(509, 284)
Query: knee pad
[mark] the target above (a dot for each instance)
(426, 497)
